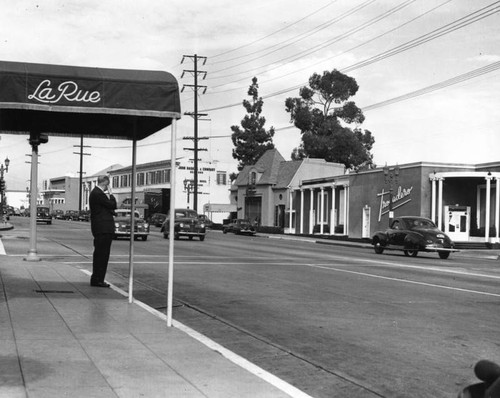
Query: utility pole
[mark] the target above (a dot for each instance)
(195, 72)
(81, 169)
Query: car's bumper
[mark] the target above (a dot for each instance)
(435, 247)
(191, 233)
(127, 233)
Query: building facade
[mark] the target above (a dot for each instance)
(463, 200)
(262, 192)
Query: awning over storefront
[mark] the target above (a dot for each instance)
(96, 102)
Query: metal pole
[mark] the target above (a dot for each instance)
(32, 252)
(81, 175)
(132, 228)
(195, 198)
(171, 224)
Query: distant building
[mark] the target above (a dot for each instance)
(153, 188)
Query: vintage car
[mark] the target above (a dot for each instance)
(239, 226)
(58, 214)
(84, 215)
(43, 215)
(123, 221)
(71, 215)
(186, 223)
(157, 219)
(413, 234)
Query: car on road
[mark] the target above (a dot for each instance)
(207, 221)
(123, 225)
(84, 215)
(71, 215)
(58, 214)
(186, 223)
(157, 219)
(412, 235)
(43, 215)
(239, 226)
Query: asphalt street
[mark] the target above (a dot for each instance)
(325, 318)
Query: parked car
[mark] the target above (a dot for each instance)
(123, 221)
(71, 215)
(186, 223)
(157, 219)
(58, 214)
(43, 215)
(413, 234)
(84, 215)
(240, 226)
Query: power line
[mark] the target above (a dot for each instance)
(448, 28)
(301, 37)
(343, 52)
(266, 37)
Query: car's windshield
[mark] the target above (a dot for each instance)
(420, 223)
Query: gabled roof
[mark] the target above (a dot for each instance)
(268, 164)
(286, 172)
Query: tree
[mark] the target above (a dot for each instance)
(251, 140)
(323, 114)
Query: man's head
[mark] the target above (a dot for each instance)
(103, 182)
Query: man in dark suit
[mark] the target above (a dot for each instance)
(102, 208)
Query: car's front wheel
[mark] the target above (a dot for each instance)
(202, 238)
(378, 247)
(444, 255)
(145, 237)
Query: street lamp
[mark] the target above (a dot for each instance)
(391, 177)
(188, 187)
(2, 187)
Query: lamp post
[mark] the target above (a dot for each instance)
(2, 187)
(391, 177)
(188, 187)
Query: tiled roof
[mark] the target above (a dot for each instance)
(287, 171)
(268, 164)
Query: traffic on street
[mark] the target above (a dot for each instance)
(323, 317)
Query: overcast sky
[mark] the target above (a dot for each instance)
(438, 60)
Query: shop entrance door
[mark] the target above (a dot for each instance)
(457, 222)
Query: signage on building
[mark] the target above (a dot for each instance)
(68, 91)
(400, 198)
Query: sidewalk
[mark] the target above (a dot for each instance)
(61, 337)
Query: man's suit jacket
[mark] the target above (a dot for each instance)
(101, 212)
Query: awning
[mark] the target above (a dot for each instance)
(96, 102)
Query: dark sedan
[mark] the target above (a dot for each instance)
(157, 219)
(123, 225)
(186, 223)
(413, 234)
(240, 226)
(43, 215)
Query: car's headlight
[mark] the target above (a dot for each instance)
(117, 225)
(202, 225)
(181, 225)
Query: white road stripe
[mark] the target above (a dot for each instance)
(2, 249)
(403, 280)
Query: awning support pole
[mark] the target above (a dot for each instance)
(173, 165)
(132, 226)
(32, 252)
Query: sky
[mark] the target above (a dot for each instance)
(427, 70)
